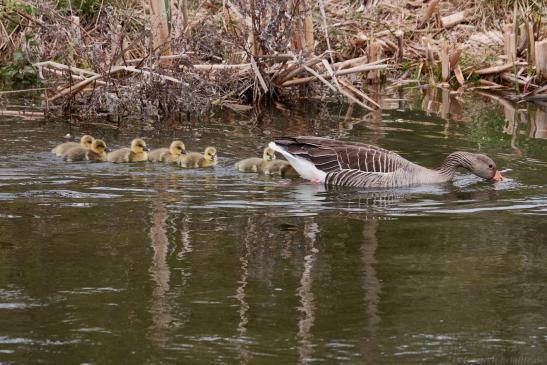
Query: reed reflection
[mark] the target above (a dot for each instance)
(160, 308)
(307, 301)
(371, 286)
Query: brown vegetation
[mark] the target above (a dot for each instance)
(127, 57)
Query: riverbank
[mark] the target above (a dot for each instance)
(111, 60)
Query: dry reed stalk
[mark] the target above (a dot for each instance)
(459, 75)
(374, 54)
(308, 27)
(159, 26)
(429, 13)
(455, 58)
(531, 44)
(541, 59)
(445, 62)
(259, 75)
(22, 114)
(509, 45)
(400, 51)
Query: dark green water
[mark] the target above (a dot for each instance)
(143, 263)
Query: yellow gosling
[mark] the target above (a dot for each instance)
(136, 153)
(279, 168)
(168, 155)
(97, 152)
(61, 149)
(255, 164)
(195, 159)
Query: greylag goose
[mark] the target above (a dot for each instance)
(360, 165)
(136, 153)
(97, 152)
(195, 159)
(168, 155)
(85, 142)
(255, 164)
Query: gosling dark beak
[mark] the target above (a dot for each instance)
(497, 177)
(184, 152)
(107, 149)
(146, 149)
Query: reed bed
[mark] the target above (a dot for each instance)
(179, 57)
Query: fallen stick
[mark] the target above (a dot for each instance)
(22, 91)
(498, 69)
(21, 113)
(347, 71)
(259, 75)
(454, 19)
(355, 90)
(64, 67)
(221, 67)
(332, 74)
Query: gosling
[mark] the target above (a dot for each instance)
(195, 159)
(255, 164)
(168, 155)
(279, 168)
(61, 149)
(136, 153)
(97, 152)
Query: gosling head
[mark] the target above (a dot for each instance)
(138, 146)
(98, 146)
(177, 148)
(210, 154)
(268, 154)
(86, 141)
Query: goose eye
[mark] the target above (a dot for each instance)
(490, 166)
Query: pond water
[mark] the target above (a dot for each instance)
(148, 263)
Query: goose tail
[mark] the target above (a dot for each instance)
(304, 167)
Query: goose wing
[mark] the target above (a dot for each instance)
(330, 155)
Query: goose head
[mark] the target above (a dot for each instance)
(177, 148)
(210, 154)
(269, 154)
(138, 146)
(98, 146)
(86, 141)
(483, 166)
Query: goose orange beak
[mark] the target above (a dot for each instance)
(497, 176)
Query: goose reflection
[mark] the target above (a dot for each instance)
(307, 301)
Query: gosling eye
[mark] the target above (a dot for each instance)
(179, 147)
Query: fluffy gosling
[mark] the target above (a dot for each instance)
(168, 155)
(195, 159)
(136, 153)
(97, 152)
(255, 164)
(279, 168)
(85, 142)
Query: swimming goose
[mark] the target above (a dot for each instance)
(137, 152)
(168, 155)
(195, 159)
(97, 152)
(360, 165)
(255, 164)
(61, 149)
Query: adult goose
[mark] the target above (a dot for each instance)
(361, 165)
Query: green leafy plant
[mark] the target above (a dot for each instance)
(19, 71)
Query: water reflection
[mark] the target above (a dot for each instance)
(160, 308)
(307, 301)
(372, 287)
